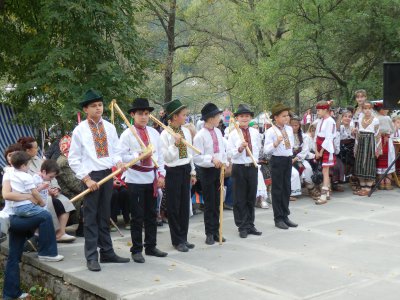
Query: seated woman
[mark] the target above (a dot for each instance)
(69, 184)
(21, 228)
(60, 206)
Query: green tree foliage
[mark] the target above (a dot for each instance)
(53, 51)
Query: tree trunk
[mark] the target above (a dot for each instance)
(169, 61)
(297, 99)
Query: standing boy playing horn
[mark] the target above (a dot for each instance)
(210, 142)
(94, 151)
(143, 180)
(180, 173)
(279, 141)
(244, 172)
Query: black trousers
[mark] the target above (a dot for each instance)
(143, 211)
(120, 202)
(244, 182)
(96, 209)
(177, 186)
(209, 178)
(281, 171)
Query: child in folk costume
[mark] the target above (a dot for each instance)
(347, 141)
(325, 148)
(210, 142)
(279, 141)
(396, 140)
(94, 151)
(244, 173)
(262, 194)
(367, 149)
(301, 152)
(386, 129)
(180, 173)
(143, 180)
(337, 171)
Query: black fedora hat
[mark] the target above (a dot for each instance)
(140, 104)
(209, 110)
(90, 96)
(243, 109)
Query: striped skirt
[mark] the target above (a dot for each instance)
(365, 164)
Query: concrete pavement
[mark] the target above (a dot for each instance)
(346, 249)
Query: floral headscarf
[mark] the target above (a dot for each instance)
(65, 143)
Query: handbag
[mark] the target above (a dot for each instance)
(317, 177)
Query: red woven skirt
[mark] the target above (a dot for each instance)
(328, 159)
(382, 162)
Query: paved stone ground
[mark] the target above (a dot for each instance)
(347, 249)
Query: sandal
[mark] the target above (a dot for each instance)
(292, 198)
(320, 202)
(323, 197)
(314, 193)
(363, 193)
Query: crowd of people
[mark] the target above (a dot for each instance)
(274, 163)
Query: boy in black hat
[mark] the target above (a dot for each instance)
(244, 173)
(180, 173)
(94, 151)
(279, 141)
(209, 141)
(143, 180)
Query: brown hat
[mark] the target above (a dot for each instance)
(278, 108)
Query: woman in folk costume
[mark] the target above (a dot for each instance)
(211, 144)
(301, 152)
(180, 173)
(93, 152)
(279, 141)
(367, 149)
(360, 97)
(386, 129)
(143, 180)
(396, 140)
(325, 148)
(244, 173)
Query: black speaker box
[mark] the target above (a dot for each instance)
(391, 85)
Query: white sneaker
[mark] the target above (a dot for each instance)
(51, 258)
(66, 238)
(264, 204)
(23, 296)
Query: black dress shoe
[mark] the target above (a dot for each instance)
(138, 257)
(210, 239)
(93, 265)
(182, 248)
(243, 234)
(189, 245)
(216, 238)
(155, 252)
(254, 231)
(289, 223)
(114, 259)
(281, 225)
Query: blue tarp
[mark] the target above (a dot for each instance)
(9, 131)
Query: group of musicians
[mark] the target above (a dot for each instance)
(96, 148)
